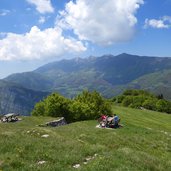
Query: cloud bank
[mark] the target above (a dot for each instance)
(163, 23)
(42, 6)
(37, 44)
(100, 21)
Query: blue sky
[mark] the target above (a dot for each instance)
(35, 32)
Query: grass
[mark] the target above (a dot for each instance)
(144, 143)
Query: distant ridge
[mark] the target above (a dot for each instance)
(101, 73)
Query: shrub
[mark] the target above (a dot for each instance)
(54, 105)
(79, 111)
(150, 104)
(96, 102)
(137, 101)
(39, 109)
(163, 106)
(119, 99)
(87, 105)
(127, 101)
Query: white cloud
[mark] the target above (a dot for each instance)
(164, 22)
(37, 44)
(42, 6)
(42, 20)
(100, 21)
(4, 12)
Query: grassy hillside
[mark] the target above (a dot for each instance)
(144, 143)
(157, 82)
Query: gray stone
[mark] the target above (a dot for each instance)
(57, 123)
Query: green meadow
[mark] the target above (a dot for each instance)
(143, 144)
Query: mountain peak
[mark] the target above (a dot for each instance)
(125, 54)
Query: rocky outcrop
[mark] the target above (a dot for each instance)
(57, 123)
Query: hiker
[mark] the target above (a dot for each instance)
(109, 121)
(103, 117)
(102, 120)
(116, 121)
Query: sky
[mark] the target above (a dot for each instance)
(36, 32)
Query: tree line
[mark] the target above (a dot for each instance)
(141, 98)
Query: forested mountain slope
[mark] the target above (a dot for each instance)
(17, 99)
(104, 74)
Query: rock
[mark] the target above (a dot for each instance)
(41, 162)
(142, 108)
(45, 136)
(88, 158)
(57, 123)
(76, 166)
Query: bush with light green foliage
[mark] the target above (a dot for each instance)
(163, 106)
(87, 105)
(54, 105)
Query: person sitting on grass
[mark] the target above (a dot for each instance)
(102, 120)
(109, 121)
(116, 121)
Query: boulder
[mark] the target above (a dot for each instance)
(56, 123)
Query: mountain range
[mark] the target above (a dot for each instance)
(108, 74)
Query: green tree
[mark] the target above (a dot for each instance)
(127, 101)
(150, 104)
(119, 99)
(163, 106)
(96, 103)
(130, 93)
(39, 109)
(160, 96)
(54, 105)
(134, 92)
(137, 101)
(80, 111)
